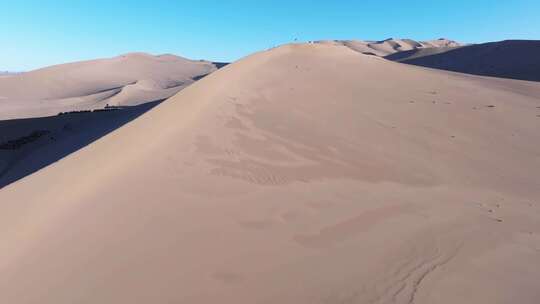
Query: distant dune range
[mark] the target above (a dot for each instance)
(391, 46)
(516, 59)
(308, 173)
(126, 80)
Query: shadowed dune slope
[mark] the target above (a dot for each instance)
(126, 80)
(27, 145)
(516, 59)
(6, 73)
(304, 174)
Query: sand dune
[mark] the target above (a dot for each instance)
(304, 174)
(125, 80)
(391, 46)
(516, 59)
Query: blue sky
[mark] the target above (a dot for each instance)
(36, 33)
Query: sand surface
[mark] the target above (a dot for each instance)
(303, 174)
(126, 80)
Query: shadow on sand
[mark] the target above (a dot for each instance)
(28, 145)
(515, 59)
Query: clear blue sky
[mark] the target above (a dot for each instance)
(39, 33)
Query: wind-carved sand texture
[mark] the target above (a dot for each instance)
(308, 173)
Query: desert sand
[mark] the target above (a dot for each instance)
(126, 80)
(308, 173)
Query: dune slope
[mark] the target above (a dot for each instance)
(304, 174)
